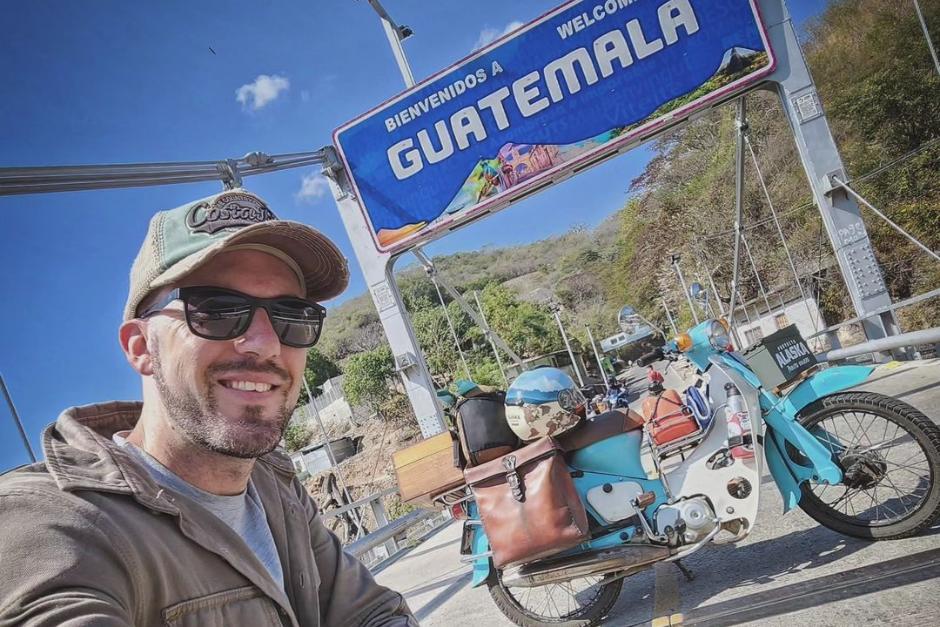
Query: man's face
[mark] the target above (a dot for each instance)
(233, 397)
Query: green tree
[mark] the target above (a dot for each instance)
(319, 370)
(529, 329)
(366, 378)
(297, 436)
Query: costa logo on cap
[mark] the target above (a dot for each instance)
(228, 210)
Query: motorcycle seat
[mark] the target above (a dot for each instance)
(603, 426)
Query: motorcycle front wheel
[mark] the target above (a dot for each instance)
(581, 602)
(889, 454)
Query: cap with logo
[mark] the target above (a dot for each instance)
(183, 239)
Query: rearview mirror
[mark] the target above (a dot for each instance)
(698, 293)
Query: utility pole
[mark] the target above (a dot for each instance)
(556, 309)
(16, 419)
(396, 34)
(597, 356)
(685, 289)
(672, 323)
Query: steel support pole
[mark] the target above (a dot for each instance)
(488, 332)
(597, 356)
(738, 207)
(564, 336)
(820, 158)
(16, 419)
(377, 268)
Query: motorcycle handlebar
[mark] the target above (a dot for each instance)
(650, 357)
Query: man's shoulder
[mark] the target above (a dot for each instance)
(29, 477)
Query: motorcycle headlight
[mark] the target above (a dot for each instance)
(718, 335)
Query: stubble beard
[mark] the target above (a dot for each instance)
(198, 418)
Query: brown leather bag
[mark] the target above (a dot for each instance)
(528, 503)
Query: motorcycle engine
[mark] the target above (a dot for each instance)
(688, 520)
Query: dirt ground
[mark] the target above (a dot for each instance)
(369, 471)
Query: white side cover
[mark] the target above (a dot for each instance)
(693, 477)
(614, 505)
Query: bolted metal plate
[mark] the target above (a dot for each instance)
(429, 425)
(864, 268)
(382, 295)
(807, 106)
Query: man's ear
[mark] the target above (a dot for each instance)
(134, 343)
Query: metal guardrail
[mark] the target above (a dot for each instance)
(914, 338)
(368, 548)
(389, 531)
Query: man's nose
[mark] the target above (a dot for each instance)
(260, 339)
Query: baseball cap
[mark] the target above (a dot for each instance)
(183, 239)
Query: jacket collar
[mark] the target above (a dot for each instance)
(80, 454)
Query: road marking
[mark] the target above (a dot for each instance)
(666, 600)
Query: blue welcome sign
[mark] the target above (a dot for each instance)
(574, 86)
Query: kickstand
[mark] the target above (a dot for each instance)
(685, 571)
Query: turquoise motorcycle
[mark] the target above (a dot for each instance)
(660, 489)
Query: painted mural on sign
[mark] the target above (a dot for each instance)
(571, 87)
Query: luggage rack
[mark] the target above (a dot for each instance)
(682, 444)
(452, 497)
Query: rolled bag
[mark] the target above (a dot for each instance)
(528, 503)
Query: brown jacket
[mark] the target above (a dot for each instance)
(88, 538)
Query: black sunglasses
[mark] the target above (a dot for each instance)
(214, 313)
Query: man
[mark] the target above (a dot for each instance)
(175, 511)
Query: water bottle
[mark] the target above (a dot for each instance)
(740, 436)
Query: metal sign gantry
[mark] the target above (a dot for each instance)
(792, 82)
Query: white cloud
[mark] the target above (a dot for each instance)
(488, 34)
(312, 187)
(262, 91)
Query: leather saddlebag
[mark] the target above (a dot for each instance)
(528, 503)
(668, 418)
(483, 430)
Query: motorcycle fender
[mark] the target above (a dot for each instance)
(482, 566)
(823, 383)
(780, 471)
(784, 427)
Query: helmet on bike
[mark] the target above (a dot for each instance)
(543, 402)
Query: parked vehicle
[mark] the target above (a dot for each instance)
(687, 475)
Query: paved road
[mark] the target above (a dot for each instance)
(788, 571)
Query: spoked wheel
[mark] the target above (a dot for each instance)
(581, 602)
(889, 454)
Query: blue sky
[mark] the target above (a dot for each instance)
(118, 82)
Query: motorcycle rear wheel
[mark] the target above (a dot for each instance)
(539, 607)
(882, 444)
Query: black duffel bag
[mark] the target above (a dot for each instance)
(482, 428)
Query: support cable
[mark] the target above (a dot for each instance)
(783, 240)
(859, 198)
(923, 26)
(760, 284)
(858, 179)
(432, 272)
